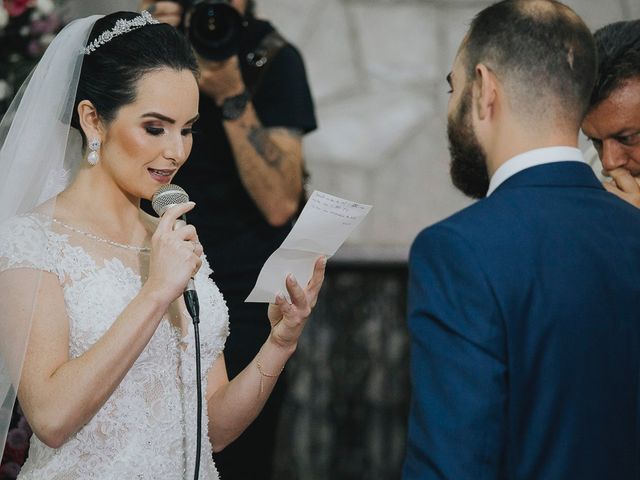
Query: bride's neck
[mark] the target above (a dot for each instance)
(90, 200)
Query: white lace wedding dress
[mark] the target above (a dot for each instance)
(147, 428)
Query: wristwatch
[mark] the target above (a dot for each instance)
(233, 107)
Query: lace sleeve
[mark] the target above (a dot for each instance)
(213, 309)
(24, 243)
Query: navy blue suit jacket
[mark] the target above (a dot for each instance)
(524, 314)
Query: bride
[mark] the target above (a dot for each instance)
(93, 324)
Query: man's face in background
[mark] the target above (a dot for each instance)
(613, 126)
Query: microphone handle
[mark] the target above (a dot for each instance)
(190, 295)
(191, 301)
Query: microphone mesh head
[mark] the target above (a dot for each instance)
(167, 196)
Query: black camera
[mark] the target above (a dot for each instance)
(213, 27)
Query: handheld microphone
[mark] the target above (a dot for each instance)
(166, 197)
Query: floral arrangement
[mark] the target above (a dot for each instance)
(26, 29)
(17, 447)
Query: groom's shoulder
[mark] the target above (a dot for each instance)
(456, 228)
(476, 217)
(482, 226)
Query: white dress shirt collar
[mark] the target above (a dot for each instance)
(532, 158)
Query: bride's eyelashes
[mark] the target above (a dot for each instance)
(157, 131)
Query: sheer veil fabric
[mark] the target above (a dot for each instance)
(39, 154)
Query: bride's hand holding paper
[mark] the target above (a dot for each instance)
(324, 224)
(288, 319)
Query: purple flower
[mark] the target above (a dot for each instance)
(27, 27)
(9, 470)
(38, 26)
(17, 446)
(34, 48)
(24, 426)
(17, 439)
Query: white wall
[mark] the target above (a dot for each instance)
(377, 70)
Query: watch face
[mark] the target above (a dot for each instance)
(233, 107)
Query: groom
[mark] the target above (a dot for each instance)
(524, 309)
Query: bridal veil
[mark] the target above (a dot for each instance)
(39, 154)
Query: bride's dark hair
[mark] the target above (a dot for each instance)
(110, 73)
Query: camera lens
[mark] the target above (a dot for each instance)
(214, 29)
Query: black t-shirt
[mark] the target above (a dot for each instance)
(236, 237)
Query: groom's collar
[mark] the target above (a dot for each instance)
(533, 158)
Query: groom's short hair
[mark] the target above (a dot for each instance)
(542, 52)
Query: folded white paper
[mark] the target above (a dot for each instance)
(322, 227)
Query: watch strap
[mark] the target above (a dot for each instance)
(234, 106)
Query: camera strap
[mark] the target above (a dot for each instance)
(260, 59)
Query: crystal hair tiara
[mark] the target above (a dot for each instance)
(122, 26)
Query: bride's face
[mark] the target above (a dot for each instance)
(151, 138)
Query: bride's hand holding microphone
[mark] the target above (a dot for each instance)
(175, 254)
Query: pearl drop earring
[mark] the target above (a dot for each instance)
(93, 157)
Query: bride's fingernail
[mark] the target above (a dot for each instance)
(292, 278)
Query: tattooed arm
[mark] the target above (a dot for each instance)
(270, 164)
(269, 160)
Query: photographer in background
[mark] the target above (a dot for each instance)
(246, 174)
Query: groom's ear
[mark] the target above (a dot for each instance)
(89, 120)
(485, 92)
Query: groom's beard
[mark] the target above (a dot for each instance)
(468, 167)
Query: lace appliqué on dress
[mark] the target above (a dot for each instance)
(146, 429)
